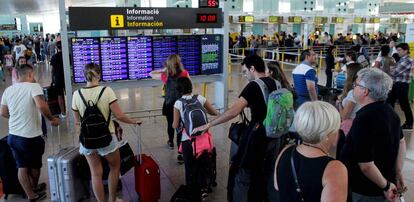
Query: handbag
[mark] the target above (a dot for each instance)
(295, 177)
(238, 129)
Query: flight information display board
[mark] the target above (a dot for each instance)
(84, 51)
(162, 47)
(134, 57)
(139, 56)
(114, 58)
(211, 54)
(188, 48)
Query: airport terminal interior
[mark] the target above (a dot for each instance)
(131, 40)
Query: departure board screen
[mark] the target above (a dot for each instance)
(211, 54)
(84, 51)
(139, 57)
(114, 58)
(162, 47)
(189, 51)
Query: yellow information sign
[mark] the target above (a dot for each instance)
(117, 21)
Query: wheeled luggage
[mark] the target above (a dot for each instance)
(51, 97)
(65, 182)
(8, 171)
(147, 174)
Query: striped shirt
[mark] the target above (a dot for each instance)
(300, 74)
(402, 71)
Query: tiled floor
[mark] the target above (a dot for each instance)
(154, 138)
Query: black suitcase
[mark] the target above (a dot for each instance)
(187, 193)
(51, 97)
(8, 171)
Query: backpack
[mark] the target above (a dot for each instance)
(171, 92)
(194, 115)
(362, 60)
(280, 111)
(94, 131)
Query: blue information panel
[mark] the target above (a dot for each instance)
(162, 47)
(189, 51)
(114, 58)
(84, 51)
(211, 54)
(139, 57)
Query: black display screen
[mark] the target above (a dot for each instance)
(84, 51)
(211, 54)
(114, 58)
(162, 47)
(139, 56)
(189, 51)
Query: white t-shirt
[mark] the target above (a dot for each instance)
(25, 118)
(19, 50)
(92, 93)
(350, 98)
(179, 106)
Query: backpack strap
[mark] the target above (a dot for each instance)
(100, 94)
(99, 97)
(264, 88)
(82, 98)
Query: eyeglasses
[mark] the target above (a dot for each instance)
(355, 84)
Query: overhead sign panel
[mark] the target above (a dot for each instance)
(108, 18)
(275, 19)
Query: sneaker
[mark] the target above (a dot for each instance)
(180, 159)
(40, 188)
(204, 193)
(405, 126)
(170, 145)
(62, 115)
(40, 196)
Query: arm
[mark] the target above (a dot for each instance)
(156, 74)
(311, 89)
(116, 110)
(4, 111)
(232, 112)
(176, 122)
(335, 182)
(347, 110)
(371, 171)
(377, 64)
(210, 109)
(44, 109)
(400, 163)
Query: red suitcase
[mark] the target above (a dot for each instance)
(147, 175)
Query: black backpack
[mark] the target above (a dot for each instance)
(194, 115)
(171, 92)
(94, 132)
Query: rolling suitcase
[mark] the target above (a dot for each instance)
(147, 174)
(8, 171)
(51, 97)
(65, 182)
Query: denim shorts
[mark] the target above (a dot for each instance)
(113, 146)
(27, 152)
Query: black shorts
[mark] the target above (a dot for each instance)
(27, 152)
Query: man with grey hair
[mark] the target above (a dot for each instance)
(374, 149)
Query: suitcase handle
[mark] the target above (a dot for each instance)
(138, 132)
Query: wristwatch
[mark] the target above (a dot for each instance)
(387, 187)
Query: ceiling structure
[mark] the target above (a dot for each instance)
(36, 7)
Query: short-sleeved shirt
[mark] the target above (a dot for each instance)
(374, 137)
(300, 74)
(25, 118)
(57, 73)
(402, 72)
(350, 98)
(19, 50)
(179, 106)
(92, 93)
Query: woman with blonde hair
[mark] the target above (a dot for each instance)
(106, 101)
(168, 75)
(317, 123)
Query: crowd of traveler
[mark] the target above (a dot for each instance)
(261, 168)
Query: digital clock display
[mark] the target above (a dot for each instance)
(207, 18)
(208, 3)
